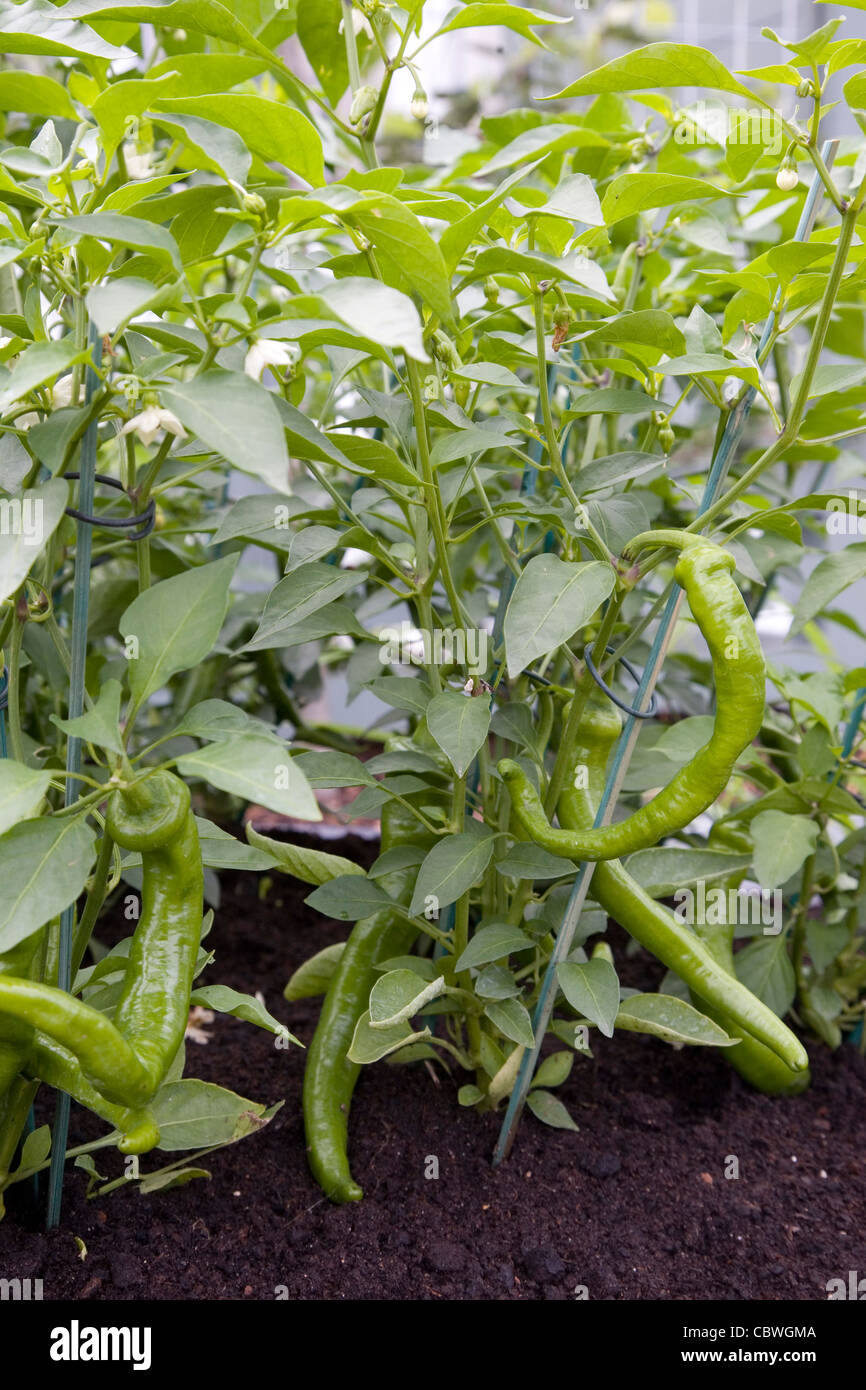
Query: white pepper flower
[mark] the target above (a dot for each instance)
(269, 352)
(148, 423)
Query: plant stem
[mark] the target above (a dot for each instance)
(16, 739)
(798, 408)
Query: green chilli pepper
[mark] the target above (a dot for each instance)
(768, 1053)
(155, 817)
(705, 572)
(16, 1035)
(329, 1076)
(126, 1060)
(106, 1058)
(49, 1062)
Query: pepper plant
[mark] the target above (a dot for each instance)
(488, 412)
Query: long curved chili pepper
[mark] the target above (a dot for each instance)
(705, 572)
(126, 1060)
(768, 1054)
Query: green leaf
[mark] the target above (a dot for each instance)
(611, 400)
(119, 231)
(493, 942)
(166, 1178)
(552, 600)
(550, 1110)
(324, 45)
(327, 769)
(237, 418)
(35, 95)
(21, 792)
(175, 624)
(308, 865)
(43, 866)
(195, 1114)
(527, 860)
(511, 1018)
(38, 364)
(42, 28)
(396, 997)
(217, 719)
(672, 1019)
(554, 1070)
(100, 724)
(830, 577)
(315, 975)
(409, 693)
(370, 1044)
(199, 16)
(783, 843)
(220, 850)
(302, 593)
(648, 327)
(256, 770)
(664, 869)
(576, 200)
(408, 256)
(216, 148)
(656, 67)
(29, 521)
(375, 458)
(459, 724)
(268, 128)
(520, 18)
(224, 1000)
(495, 982)
(378, 311)
(765, 968)
(535, 144)
(457, 239)
(632, 193)
(36, 1147)
(593, 990)
(349, 897)
(113, 304)
(452, 867)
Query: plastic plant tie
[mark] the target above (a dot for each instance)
(630, 710)
(731, 436)
(80, 605)
(144, 521)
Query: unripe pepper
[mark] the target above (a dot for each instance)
(126, 1060)
(768, 1053)
(329, 1076)
(705, 572)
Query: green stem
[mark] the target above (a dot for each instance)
(93, 906)
(16, 739)
(432, 491)
(582, 688)
(798, 408)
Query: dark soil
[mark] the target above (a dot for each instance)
(637, 1205)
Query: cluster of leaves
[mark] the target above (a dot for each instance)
(448, 397)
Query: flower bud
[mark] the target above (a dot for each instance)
(420, 105)
(787, 178)
(667, 438)
(363, 102)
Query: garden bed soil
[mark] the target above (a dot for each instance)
(637, 1205)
